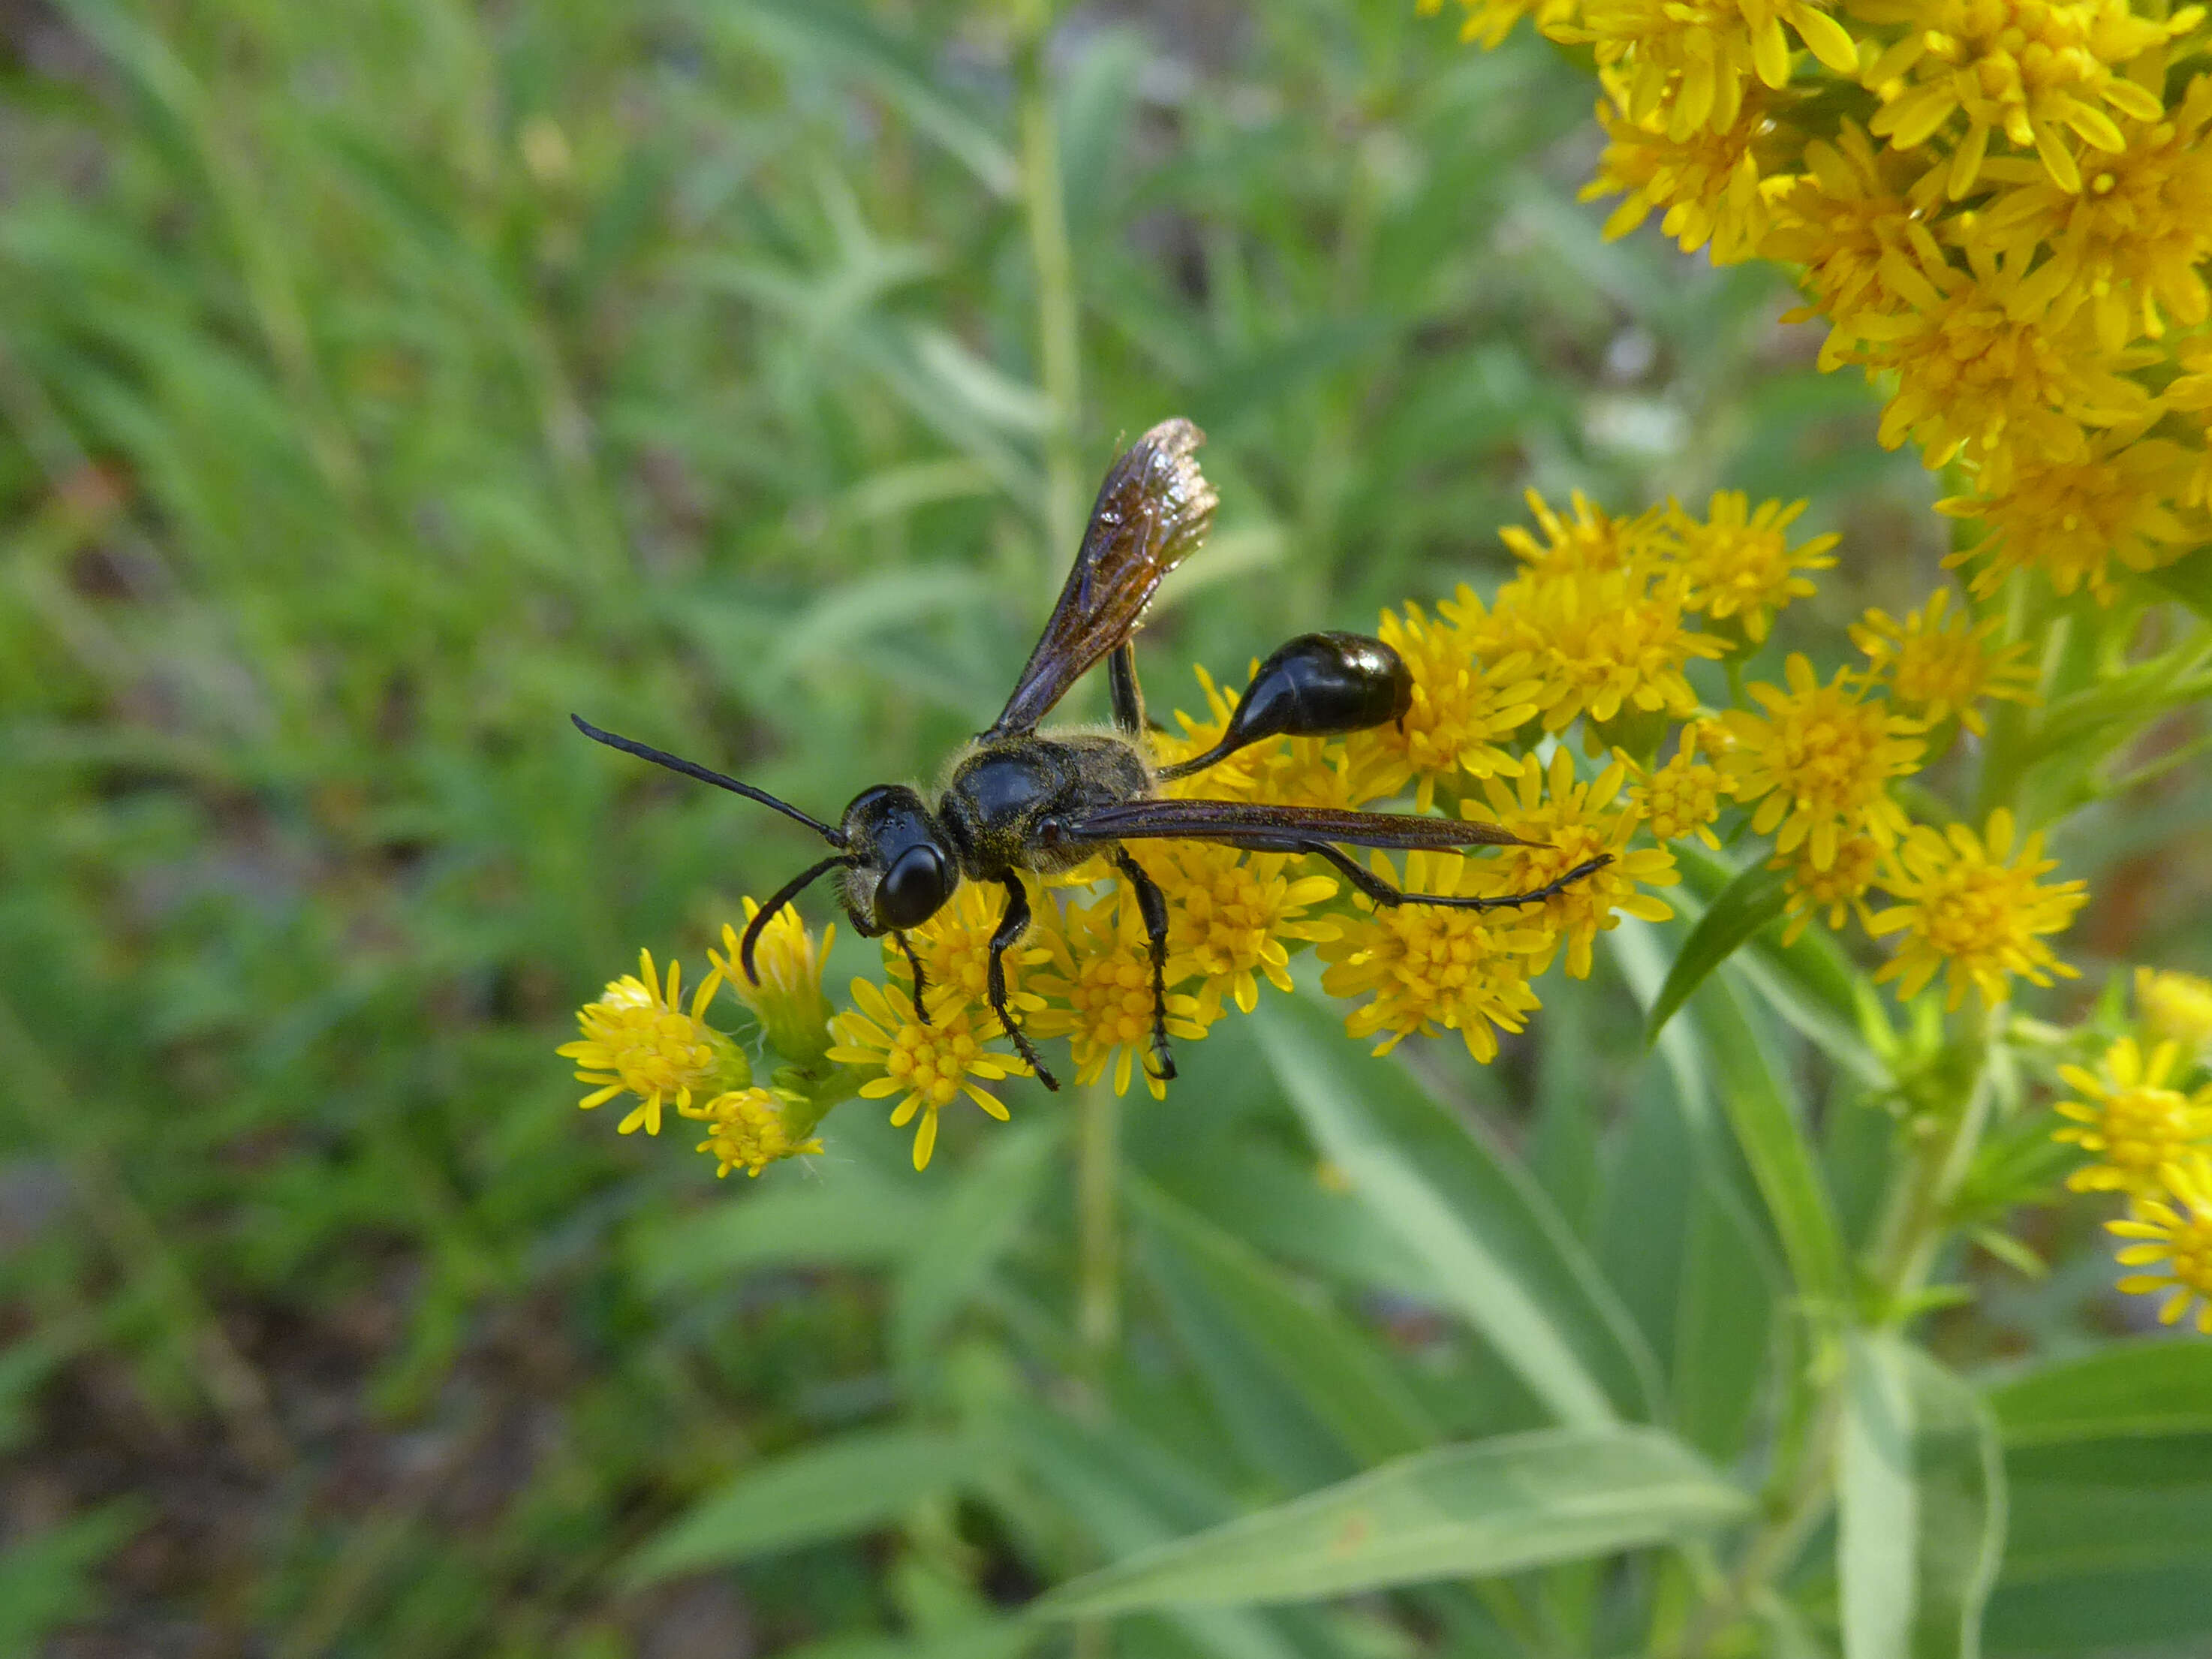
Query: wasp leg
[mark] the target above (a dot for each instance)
(920, 979)
(1385, 895)
(1129, 700)
(1012, 927)
(1152, 905)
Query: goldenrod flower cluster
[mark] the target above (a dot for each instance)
(2151, 1142)
(2002, 208)
(1542, 710)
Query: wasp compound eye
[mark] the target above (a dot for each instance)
(913, 889)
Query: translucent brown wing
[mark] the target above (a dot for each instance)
(1152, 511)
(1263, 827)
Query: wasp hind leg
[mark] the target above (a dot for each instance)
(1383, 893)
(1127, 697)
(1012, 927)
(1152, 905)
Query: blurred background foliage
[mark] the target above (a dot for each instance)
(380, 381)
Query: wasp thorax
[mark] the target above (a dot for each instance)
(903, 871)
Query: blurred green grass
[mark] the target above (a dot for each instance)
(380, 382)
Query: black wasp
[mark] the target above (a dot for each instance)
(1013, 799)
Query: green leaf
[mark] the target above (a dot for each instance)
(827, 1490)
(1763, 1113)
(46, 1580)
(2157, 1386)
(987, 1638)
(1502, 1255)
(2188, 579)
(1336, 1368)
(969, 1232)
(1723, 1328)
(1752, 899)
(1493, 1507)
(853, 44)
(1921, 1503)
(848, 1216)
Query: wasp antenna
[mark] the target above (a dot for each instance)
(783, 895)
(835, 837)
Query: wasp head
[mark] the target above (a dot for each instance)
(901, 872)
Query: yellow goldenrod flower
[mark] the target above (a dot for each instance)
(1589, 544)
(1683, 797)
(1713, 188)
(2127, 244)
(1936, 668)
(1847, 218)
(1604, 642)
(2134, 1124)
(2008, 394)
(1570, 823)
(1462, 709)
(1840, 890)
(933, 1065)
(638, 1038)
(2176, 1231)
(1491, 20)
(1739, 562)
(1100, 997)
(2038, 73)
(788, 1001)
(955, 948)
(1429, 968)
(1819, 762)
(1972, 910)
(1692, 59)
(2175, 1007)
(747, 1129)
(1230, 914)
(2073, 519)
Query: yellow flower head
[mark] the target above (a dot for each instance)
(1819, 762)
(747, 1129)
(1840, 890)
(2009, 394)
(1689, 61)
(1589, 544)
(1936, 667)
(1740, 563)
(1230, 914)
(1713, 187)
(1570, 823)
(639, 1038)
(2134, 1124)
(2175, 1233)
(1462, 709)
(1683, 797)
(1100, 994)
(1605, 642)
(955, 948)
(2073, 518)
(2128, 244)
(2038, 73)
(788, 1001)
(1427, 968)
(1848, 218)
(1491, 20)
(928, 1067)
(1972, 909)
(2175, 1007)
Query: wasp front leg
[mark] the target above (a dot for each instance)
(1152, 905)
(1012, 927)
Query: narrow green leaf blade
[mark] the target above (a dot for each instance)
(1921, 1507)
(2152, 1387)
(1335, 1367)
(826, 1490)
(1751, 900)
(1501, 1254)
(1492, 1507)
